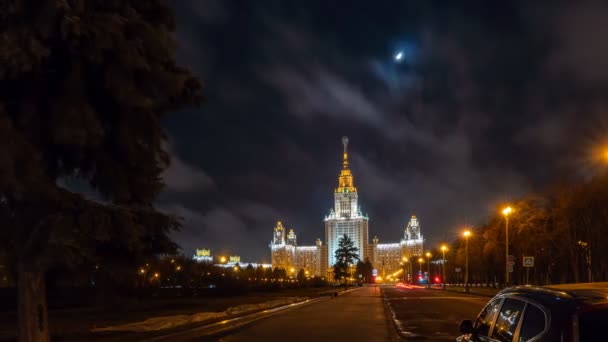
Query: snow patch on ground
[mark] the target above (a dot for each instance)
(167, 322)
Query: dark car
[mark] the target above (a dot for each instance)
(564, 313)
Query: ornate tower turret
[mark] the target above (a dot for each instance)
(279, 234)
(291, 238)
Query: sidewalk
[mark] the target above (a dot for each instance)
(356, 316)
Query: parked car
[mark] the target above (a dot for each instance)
(564, 313)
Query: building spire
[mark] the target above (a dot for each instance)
(345, 143)
(345, 181)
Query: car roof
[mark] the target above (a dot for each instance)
(564, 295)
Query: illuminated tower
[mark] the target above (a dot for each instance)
(282, 254)
(291, 238)
(346, 216)
(279, 234)
(412, 238)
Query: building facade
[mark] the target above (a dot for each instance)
(345, 218)
(286, 254)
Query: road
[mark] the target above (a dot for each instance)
(433, 315)
(356, 316)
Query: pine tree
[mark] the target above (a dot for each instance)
(83, 87)
(345, 255)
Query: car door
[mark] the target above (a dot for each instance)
(507, 320)
(485, 320)
(534, 323)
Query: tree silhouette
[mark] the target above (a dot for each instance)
(83, 88)
(345, 255)
(365, 269)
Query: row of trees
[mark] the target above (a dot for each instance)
(565, 229)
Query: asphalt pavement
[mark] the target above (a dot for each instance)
(430, 314)
(356, 316)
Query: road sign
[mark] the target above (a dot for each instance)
(458, 269)
(511, 258)
(511, 263)
(528, 261)
(375, 272)
(510, 268)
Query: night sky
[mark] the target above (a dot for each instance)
(492, 100)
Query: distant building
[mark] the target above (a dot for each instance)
(203, 255)
(412, 239)
(286, 254)
(345, 218)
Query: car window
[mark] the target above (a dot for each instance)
(486, 317)
(592, 324)
(533, 323)
(509, 316)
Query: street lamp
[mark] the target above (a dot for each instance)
(506, 211)
(408, 267)
(428, 270)
(444, 248)
(420, 261)
(466, 234)
(223, 259)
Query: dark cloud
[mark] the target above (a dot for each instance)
(182, 177)
(492, 101)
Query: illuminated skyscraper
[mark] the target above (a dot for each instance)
(346, 218)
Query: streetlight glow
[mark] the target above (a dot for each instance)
(466, 234)
(443, 249)
(506, 211)
(223, 259)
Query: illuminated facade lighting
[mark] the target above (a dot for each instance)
(345, 218)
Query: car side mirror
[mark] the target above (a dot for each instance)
(466, 327)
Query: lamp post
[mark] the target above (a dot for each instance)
(420, 261)
(466, 234)
(443, 249)
(428, 270)
(506, 211)
(408, 267)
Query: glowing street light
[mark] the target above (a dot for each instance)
(409, 268)
(420, 261)
(223, 259)
(444, 248)
(506, 212)
(428, 269)
(466, 234)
